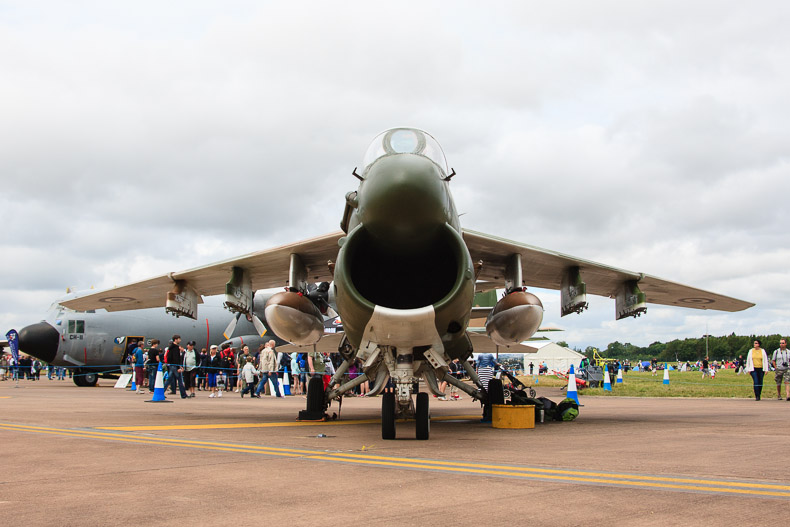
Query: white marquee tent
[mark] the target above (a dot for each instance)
(556, 357)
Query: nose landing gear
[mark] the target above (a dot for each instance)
(392, 409)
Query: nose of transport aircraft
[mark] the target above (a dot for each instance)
(39, 340)
(403, 199)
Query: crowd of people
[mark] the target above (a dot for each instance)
(265, 370)
(29, 368)
(187, 370)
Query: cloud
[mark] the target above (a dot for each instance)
(140, 138)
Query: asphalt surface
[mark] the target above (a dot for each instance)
(102, 456)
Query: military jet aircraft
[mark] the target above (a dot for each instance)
(404, 274)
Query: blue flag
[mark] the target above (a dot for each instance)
(13, 342)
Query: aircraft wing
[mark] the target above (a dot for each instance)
(545, 269)
(268, 269)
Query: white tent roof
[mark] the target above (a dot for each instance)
(555, 351)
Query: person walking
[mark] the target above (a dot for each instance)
(781, 361)
(175, 367)
(756, 362)
(248, 373)
(268, 369)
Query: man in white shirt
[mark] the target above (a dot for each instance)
(780, 359)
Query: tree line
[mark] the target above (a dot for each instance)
(692, 349)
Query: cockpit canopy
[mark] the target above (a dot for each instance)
(404, 141)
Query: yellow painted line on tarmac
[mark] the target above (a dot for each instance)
(537, 470)
(724, 487)
(220, 426)
(5, 397)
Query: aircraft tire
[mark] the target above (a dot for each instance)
(388, 416)
(423, 416)
(315, 395)
(496, 393)
(90, 379)
(78, 379)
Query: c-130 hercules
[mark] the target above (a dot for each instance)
(404, 277)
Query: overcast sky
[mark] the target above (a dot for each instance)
(138, 138)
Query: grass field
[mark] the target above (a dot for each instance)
(681, 384)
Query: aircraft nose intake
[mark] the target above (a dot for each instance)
(39, 340)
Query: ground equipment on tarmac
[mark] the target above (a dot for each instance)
(516, 385)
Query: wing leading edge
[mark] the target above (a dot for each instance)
(542, 268)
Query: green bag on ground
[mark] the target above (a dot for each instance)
(567, 410)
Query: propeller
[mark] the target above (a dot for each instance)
(319, 295)
(252, 317)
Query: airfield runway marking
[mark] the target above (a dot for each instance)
(219, 426)
(710, 486)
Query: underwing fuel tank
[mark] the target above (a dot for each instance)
(293, 317)
(515, 318)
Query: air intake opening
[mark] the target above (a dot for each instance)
(403, 281)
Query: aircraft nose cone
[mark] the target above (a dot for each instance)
(39, 340)
(403, 201)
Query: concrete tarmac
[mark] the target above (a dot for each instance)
(102, 456)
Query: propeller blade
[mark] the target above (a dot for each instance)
(259, 327)
(232, 326)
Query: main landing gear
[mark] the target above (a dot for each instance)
(85, 378)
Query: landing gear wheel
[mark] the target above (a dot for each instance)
(90, 379)
(388, 416)
(315, 401)
(532, 393)
(78, 379)
(423, 416)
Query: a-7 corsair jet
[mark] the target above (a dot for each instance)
(404, 277)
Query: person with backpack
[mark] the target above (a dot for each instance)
(228, 359)
(781, 361)
(302, 362)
